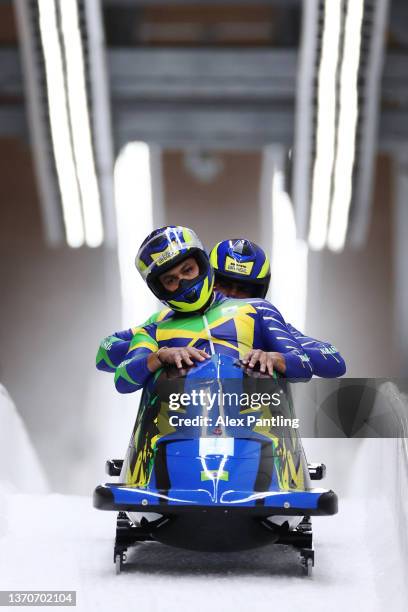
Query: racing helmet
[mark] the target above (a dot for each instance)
(163, 249)
(242, 261)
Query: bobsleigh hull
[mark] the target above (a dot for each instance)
(216, 474)
(213, 515)
(215, 487)
(204, 502)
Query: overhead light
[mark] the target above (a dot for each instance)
(70, 122)
(346, 132)
(326, 125)
(80, 123)
(59, 122)
(134, 214)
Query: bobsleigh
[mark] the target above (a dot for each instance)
(215, 463)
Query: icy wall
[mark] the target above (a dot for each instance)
(20, 467)
(371, 474)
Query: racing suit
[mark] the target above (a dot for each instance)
(228, 326)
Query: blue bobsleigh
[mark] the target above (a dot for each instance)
(215, 463)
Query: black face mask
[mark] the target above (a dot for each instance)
(189, 296)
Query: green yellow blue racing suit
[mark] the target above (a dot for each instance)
(228, 326)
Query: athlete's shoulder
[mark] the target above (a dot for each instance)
(262, 305)
(163, 315)
(157, 317)
(267, 310)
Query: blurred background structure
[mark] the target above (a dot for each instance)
(278, 120)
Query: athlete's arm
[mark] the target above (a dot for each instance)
(141, 361)
(278, 339)
(145, 357)
(325, 358)
(113, 349)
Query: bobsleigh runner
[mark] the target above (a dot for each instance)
(215, 463)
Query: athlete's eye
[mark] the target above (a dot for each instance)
(189, 271)
(169, 281)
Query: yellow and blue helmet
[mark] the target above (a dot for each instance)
(165, 248)
(242, 261)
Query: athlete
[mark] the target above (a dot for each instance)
(242, 271)
(201, 322)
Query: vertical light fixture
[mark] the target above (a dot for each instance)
(80, 123)
(134, 214)
(326, 125)
(346, 132)
(289, 255)
(70, 122)
(59, 123)
(304, 114)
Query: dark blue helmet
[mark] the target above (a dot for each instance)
(165, 248)
(242, 261)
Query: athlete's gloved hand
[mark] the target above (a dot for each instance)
(180, 356)
(268, 361)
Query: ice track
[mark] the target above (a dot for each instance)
(60, 542)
